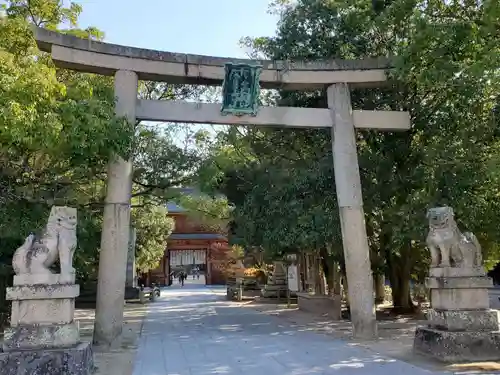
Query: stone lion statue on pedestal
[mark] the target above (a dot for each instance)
(448, 246)
(57, 241)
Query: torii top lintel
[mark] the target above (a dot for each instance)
(104, 58)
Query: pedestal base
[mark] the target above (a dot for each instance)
(320, 304)
(77, 360)
(448, 346)
(32, 337)
(464, 320)
(459, 293)
(273, 291)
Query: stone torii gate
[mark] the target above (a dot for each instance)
(129, 64)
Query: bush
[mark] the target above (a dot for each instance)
(252, 271)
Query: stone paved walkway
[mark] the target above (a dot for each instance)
(194, 331)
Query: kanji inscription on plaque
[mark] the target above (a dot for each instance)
(240, 89)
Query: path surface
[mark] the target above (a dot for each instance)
(194, 331)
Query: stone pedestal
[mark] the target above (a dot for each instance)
(460, 324)
(276, 283)
(76, 360)
(320, 304)
(43, 336)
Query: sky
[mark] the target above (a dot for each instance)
(204, 27)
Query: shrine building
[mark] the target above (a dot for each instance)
(191, 245)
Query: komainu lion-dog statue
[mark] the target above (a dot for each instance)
(57, 241)
(448, 246)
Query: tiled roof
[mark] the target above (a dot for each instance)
(197, 236)
(174, 208)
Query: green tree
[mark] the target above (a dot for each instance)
(57, 128)
(153, 228)
(446, 75)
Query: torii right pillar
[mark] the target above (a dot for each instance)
(352, 220)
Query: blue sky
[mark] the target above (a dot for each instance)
(205, 27)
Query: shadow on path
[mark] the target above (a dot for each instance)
(194, 330)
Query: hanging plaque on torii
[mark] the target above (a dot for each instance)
(240, 89)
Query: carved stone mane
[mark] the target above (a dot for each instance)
(448, 246)
(57, 241)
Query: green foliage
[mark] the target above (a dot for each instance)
(288, 211)
(153, 228)
(160, 164)
(58, 128)
(237, 252)
(57, 132)
(446, 75)
(86, 258)
(213, 213)
(46, 13)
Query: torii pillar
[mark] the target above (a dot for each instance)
(116, 227)
(352, 220)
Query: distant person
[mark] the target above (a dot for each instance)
(182, 277)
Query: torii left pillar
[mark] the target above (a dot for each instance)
(116, 227)
(352, 217)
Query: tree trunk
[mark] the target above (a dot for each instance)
(378, 266)
(302, 272)
(327, 270)
(399, 269)
(334, 280)
(309, 270)
(400, 285)
(322, 280)
(379, 287)
(319, 280)
(337, 280)
(345, 291)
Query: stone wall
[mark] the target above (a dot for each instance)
(320, 304)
